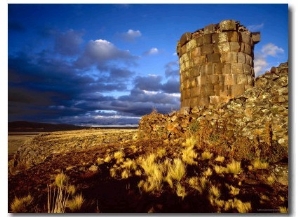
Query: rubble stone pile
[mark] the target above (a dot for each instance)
(260, 116)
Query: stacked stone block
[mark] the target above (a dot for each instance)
(216, 63)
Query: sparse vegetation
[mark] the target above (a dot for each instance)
(186, 169)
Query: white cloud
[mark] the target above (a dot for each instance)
(271, 50)
(260, 65)
(133, 33)
(256, 27)
(152, 51)
(102, 51)
(130, 35)
(262, 58)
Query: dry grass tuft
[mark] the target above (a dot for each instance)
(220, 159)
(257, 164)
(76, 203)
(206, 155)
(234, 167)
(20, 205)
(188, 155)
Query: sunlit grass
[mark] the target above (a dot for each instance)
(20, 205)
(283, 209)
(208, 172)
(258, 164)
(214, 191)
(76, 203)
(161, 152)
(180, 191)
(190, 142)
(188, 155)
(234, 167)
(242, 207)
(219, 169)
(220, 159)
(206, 155)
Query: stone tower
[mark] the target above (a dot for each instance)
(216, 63)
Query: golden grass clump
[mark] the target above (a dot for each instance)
(99, 161)
(214, 191)
(107, 159)
(176, 170)
(234, 167)
(76, 203)
(154, 173)
(206, 155)
(129, 164)
(194, 182)
(180, 190)
(271, 179)
(208, 172)
(161, 152)
(232, 190)
(119, 156)
(283, 209)
(59, 194)
(220, 169)
(190, 142)
(257, 164)
(61, 180)
(20, 205)
(125, 174)
(220, 159)
(188, 155)
(242, 207)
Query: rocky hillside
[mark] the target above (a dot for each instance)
(254, 124)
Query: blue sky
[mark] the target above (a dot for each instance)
(99, 64)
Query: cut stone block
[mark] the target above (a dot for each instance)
(226, 25)
(256, 37)
(241, 79)
(214, 58)
(237, 68)
(191, 45)
(185, 38)
(209, 29)
(237, 90)
(224, 47)
(207, 49)
(241, 57)
(229, 79)
(235, 46)
(207, 38)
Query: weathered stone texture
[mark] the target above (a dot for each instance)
(223, 49)
(259, 113)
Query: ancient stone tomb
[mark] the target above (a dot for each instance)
(216, 63)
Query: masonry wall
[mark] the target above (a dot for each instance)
(216, 63)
